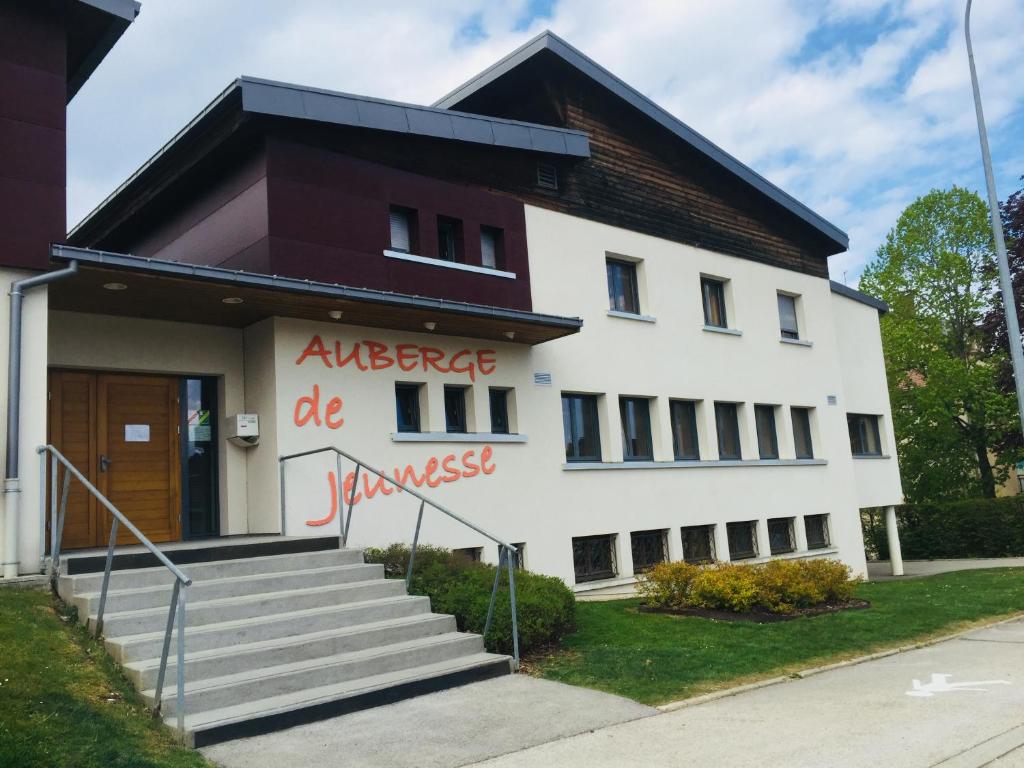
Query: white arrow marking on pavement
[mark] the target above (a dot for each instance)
(940, 684)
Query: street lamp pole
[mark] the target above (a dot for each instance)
(1005, 282)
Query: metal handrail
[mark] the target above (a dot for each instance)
(505, 550)
(177, 609)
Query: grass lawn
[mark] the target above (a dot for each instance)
(63, 701)
(656, 658)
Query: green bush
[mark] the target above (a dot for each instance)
(778, 586)
(953, 529)
(546, 607)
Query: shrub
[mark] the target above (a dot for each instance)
(778, 586)
(546, 607)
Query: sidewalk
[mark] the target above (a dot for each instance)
(882, 571)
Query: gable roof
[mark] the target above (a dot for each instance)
(548, 41)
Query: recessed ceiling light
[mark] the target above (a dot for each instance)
(430, 325)
(233, 300)
(115, 286)
(509, 335)
(335, 314)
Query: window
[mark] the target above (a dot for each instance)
(519, 556)
(864, 437)
(401, 220)
(742, 540)
(547, 176)
(593, 557)
(816, 527)
(684, 430)
(449, 239)
(802, 443)
(455, 409)
(622, 287)
(728, 426)
(713, 292)
(499, 411)
(699, 544)
(491, 247)
(787, 317)
(581, 427)
(472, 554)
(407, 404)
(636, 429)
(648, 549)
(767, 438)
(780, 535)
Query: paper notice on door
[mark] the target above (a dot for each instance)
(136, 433)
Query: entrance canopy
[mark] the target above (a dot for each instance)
(132, 286)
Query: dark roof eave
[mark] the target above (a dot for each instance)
(182, 270)
(547, 40)
(863, 298)
(121, 14)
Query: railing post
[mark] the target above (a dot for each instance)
(494, 591)
(512, 600)
(59, 528)
(42, 513)
(340, 492)
(158, 699)
(106, 577)
(351, 503)
(179, 702)
(53, 506)
(412, 552)
(280, 472)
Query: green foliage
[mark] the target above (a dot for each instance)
(950, 414)
(955, 529)
(546, 607)
(778, 586)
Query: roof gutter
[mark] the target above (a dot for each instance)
(12, 483)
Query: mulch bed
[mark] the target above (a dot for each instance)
(760, 617)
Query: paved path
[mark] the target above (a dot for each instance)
(859, 715)
(453, 728)
(881, 571)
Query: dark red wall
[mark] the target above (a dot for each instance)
(32, 132)
(329, 221)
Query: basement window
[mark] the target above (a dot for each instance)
(742, 540)
(780, 535)
(472, 554)
(593, 557)
(816, 527)
(699, 544)
(648, 549)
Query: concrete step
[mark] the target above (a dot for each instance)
(221, 692)
(233, 608)
(69, 586)
(133, 648)
(252, 717)
(261, 655)
(236, 586)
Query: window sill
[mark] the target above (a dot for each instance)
(631, 316)
(726, 331)
(449, 264)
(797, 342)
(871, 456)
(597, 584)
(580, 465)
(455, 437)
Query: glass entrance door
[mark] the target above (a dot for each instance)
(199, 486)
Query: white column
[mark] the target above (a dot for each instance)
(895, 553)
(721, 544)
(799, 534)
(764, 545)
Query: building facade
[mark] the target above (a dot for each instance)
(542, 302)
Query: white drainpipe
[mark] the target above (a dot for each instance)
(12, 483)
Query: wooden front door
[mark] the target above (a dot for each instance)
(120, 431)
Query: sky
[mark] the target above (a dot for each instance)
(854, 107)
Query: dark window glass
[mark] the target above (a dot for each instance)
(449, 239)
(402, 229)
(472, 554)
(802, 444)
(727, 423)
(787, 317)
(684, 430)
(816, 527)
(622, 290)
(699, 544)
(713, 292)
(648, 549)
(742, 540)
(593, 557)
(199, 457)
(491, 248)
(547, 176)
(864, 438)
(499, 411)
(407, 404)
(580, 424)
(780, 535)
(636, 428)
(767, 438)
(455, 409)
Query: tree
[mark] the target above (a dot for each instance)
(951, 417)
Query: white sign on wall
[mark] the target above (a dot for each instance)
(136, 433)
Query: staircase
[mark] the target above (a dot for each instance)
(275, 638)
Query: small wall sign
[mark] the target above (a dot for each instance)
(136, 433)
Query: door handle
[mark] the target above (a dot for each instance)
(104, 463)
